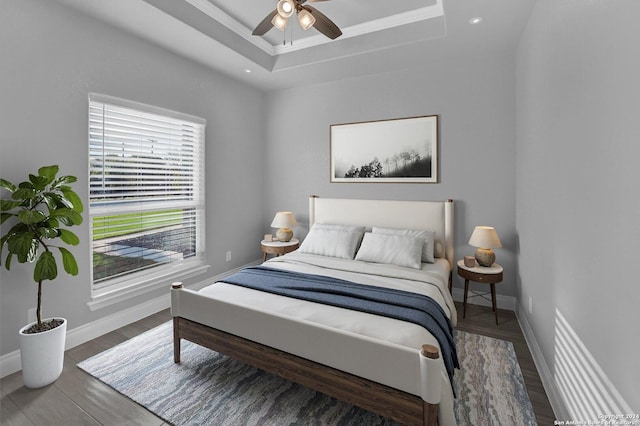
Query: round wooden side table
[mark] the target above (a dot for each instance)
(278, 247)
(480, 274)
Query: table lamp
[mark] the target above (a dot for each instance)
(284, 221)
(485, 238)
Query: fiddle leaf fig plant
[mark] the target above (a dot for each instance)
(36, 210)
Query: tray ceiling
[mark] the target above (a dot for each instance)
(378, 35)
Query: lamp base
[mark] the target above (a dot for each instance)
(284, 234)
(485, 257)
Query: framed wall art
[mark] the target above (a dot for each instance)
(403, 150)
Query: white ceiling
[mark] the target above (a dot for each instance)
(378, 35)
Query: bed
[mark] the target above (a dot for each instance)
(388, 365)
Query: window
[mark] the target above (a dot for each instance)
(146, 193)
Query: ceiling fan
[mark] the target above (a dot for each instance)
(307, 17)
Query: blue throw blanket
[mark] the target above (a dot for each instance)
(398, 304)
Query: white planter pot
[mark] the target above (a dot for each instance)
(42, 355)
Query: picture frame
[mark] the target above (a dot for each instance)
(400, 150)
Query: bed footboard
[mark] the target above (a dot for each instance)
(384, 400)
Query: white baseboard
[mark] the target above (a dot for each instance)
(503, 302)
(10, 362)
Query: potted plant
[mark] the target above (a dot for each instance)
(36, 211)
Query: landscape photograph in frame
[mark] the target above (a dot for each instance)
(403, 150)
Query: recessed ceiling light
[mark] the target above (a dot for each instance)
(247, 70)
(476, 20)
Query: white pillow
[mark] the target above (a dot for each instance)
(391, 249)
(438, 250)
(427, 237)
(330, 242)
(349, 228)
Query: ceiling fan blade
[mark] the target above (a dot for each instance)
(324, 24)
(265, 25)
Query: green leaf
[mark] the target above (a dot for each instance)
(68, 179)
(48, 233)
(27, 185)
(68, 261)
(18, 228)
(30, 254)
(63, 181)
(6, 205)
(24, 194)
(21, 244)
(74, 199)
(67, 216)
(39, 182)
(48, 172)
(69, 237)
(52, 223)
(31, 216)
(7, 185)
(7, 263)
(46, 268)
(33, 252)
(52, 200)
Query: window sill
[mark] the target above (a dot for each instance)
(107, 297)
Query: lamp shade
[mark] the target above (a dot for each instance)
(279, 22)
(485, 237)
(284, 220)
(286, 8)
(306, 19)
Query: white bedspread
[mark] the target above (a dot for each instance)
(378, 348)
(431, 280)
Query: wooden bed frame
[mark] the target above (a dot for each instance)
(381, 399)
(384, 400)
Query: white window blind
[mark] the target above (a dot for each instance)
(146, 188)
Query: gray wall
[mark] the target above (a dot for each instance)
(578, 99)
(52, 58)
(475, 101)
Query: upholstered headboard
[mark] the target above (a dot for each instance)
(435, 216)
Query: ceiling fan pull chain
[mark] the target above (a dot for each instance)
(291, 35)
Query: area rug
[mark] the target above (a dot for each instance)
(208, 388)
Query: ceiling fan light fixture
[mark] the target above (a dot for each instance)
(286, 8)
(279, 22)
(306, 19)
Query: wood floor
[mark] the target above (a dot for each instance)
(76, 398)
